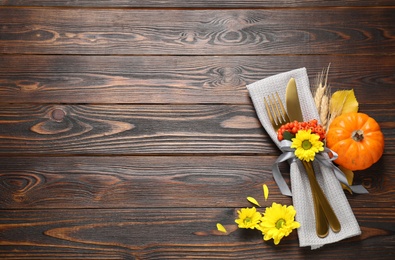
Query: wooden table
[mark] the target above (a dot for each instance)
(127, 132)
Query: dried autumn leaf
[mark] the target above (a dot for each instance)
(343, 101)
(350, 177)
(253, 201)
(265, 191)
(221, 228)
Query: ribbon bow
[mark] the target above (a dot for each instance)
(322, 157)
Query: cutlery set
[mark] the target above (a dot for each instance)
(278, 116)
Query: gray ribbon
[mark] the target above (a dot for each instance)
(289, 155)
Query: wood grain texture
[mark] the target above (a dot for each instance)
(179, 79)
(125, 129)
(161, 181)
(134, 182)
(197, 3)
(171, 234)
(197, 32)
(145, 129)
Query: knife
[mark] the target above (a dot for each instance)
(323, 210)
(292, 102)
(295, 113)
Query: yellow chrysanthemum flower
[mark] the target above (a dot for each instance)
(248, 218)
(277, 222)
(307, 145)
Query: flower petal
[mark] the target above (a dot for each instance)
(253, 201)
(221, 228)
(265, 191)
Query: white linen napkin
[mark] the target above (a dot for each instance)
(301, 192)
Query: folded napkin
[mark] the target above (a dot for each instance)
(301, 192)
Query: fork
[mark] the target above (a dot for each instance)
(278, 117)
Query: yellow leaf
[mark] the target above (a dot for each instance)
(253, 201)
(265, 191)
(221, 228)
(343, 101)
(350, 177)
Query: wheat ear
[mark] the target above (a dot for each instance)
(321, 96)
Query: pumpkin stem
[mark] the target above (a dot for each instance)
(357, 135)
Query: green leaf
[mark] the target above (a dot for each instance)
(288, 136)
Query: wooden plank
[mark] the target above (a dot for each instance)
(179, 79)
(172, 233)
(131, 182)
(161, 181)
(197, 3)
(145, 129)
(125, 129)
(197, 32)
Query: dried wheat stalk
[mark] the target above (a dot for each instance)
(322, 96)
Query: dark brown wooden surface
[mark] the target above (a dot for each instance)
(126, 130)
(197, 3)
(178, 79)
(196, 32)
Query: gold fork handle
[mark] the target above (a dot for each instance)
(326, 207)
(321, 223)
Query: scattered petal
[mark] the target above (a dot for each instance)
(253, 201)
(221, 228)
(265, 191)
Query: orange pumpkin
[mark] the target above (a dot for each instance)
(357, 139)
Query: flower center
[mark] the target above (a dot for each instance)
(280, 223)
(247, 220)
(306, 144)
